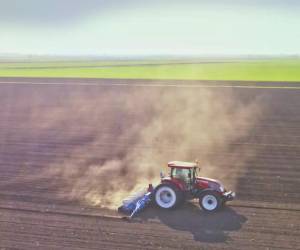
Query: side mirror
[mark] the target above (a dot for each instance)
(162, 175)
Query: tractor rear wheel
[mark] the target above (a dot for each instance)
(167, 196)
(210, 201)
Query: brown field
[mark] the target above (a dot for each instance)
(56, 135)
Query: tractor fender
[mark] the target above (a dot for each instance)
(200, 192)
(174, 182)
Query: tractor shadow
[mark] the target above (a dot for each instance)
(213, 228)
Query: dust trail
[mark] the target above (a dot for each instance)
(121, 140)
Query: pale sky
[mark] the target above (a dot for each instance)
(132, 27)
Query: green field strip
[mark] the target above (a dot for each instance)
(239, 71)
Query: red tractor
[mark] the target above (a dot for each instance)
(184, 184)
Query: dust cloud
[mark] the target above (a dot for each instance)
(117, 140)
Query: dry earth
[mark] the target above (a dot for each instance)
(37, 210)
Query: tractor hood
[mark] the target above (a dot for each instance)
(210, 183)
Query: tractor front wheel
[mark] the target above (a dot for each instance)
(210, 201)
(167, 196)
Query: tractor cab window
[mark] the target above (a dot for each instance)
(183, 174)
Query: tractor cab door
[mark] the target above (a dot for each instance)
(185, 175)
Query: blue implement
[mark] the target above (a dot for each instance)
(141, 204)
(135, 204)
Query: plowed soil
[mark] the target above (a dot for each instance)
(34, 214)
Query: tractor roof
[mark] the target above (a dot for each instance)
(182, 164)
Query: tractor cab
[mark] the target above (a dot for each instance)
(184, 171)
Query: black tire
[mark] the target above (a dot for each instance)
(210, 201)
(168, 196)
